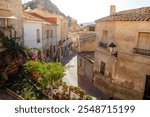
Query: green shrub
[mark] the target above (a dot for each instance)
(49, 72)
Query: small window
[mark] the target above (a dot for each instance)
(38, 35)
(102, 68)
(144, 41)
(51, 33)
(47, 34)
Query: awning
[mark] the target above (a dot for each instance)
(6, 14)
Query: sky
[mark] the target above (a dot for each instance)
(91, 10)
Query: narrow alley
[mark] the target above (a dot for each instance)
(71, 78)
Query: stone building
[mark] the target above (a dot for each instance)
(85, 57)
(89, 28)
(122, 57)
(11, 15)
(73, 25)
(85, 61)
(86, 41)
(60, 43)
(38, 33)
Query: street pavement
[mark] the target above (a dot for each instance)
(71, 78)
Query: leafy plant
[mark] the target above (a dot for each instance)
(49, 72)
(12, 44)
(88, 97)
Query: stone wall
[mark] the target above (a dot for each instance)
(87, 44)
(86, 70)
(80, 69)
(128, 70)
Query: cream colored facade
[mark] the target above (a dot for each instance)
(10, 14)
(125, 74)
(64, 28)
(85, 65)
(85, 57)
(73, 25)
(15, 7)
(48, 36)
(86, 42)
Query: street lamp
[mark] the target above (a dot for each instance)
(112, 48)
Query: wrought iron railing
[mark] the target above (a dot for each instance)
(141, 51)
(102, 44)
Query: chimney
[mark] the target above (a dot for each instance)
(112, 9)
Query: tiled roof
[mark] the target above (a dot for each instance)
(43, 13)
(87, 55)
(140, 14)
(85, 35)
(51, 18)
(28, 16)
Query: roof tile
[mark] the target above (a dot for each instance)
(140, 14)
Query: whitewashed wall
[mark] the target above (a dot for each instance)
(30, 34)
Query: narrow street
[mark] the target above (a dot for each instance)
(71, 78)
(71, 74)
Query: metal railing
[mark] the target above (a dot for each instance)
(141, 51)
(102, 44)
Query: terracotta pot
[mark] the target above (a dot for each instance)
(35, 74)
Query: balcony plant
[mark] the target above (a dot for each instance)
(12, 44)
(49, 73)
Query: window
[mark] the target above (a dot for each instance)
(144, 41)
(38, 35)
(105, 35)
(102, 68)
(47, 34)
(51, 33)
(2, 22)
(47, 53)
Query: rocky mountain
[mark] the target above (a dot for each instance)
(46, 5)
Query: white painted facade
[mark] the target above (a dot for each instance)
(30, 34)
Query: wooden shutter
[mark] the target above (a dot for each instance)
(105, 36)
(144, 41)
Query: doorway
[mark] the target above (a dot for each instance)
(147, 88)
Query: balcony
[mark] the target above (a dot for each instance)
(102, 44)
(141, 51)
